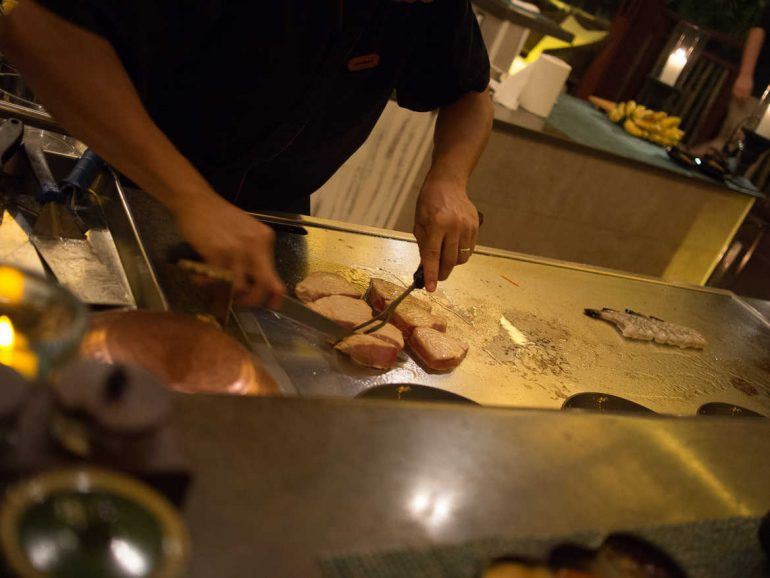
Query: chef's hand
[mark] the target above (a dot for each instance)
(445, 225)
(743, 87)
(227, 237)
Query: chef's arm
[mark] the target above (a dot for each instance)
(446, 221)
(744, 83)
(81, 81)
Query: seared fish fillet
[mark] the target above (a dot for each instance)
(643, 328)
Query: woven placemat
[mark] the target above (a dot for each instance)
(710, 549)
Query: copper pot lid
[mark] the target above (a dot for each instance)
(187, 354)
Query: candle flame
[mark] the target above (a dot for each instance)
(14, 350)
(7, 333)
(12, 285)
(679, 57)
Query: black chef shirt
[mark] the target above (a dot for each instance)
(762, 70)
(269, 97)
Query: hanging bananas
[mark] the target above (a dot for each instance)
(654, 126)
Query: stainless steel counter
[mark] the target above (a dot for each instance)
(281, 483)
(531, 344)
(760, 305)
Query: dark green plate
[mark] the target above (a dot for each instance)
(89, 522)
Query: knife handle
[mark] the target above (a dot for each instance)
(419, 278)
(181, 252)
(419, 275)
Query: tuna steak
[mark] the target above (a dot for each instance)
(382, 293)
(370, 350)
(344, 311)
(321, 284)
(437, 350)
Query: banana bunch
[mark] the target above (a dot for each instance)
(656, 127)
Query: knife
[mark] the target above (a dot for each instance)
(300, 313)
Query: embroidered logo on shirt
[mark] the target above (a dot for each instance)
(363, 62)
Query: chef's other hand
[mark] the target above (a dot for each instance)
(743, 87)
(446, 224)
(227, 237)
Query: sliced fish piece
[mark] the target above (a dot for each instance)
(408, 316)
(382, 293)
(370, 350)
(345, 311)
(389, 333)
(437, 350)
(322, 284)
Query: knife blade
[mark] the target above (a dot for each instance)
(300, 313)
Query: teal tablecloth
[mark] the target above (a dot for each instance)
(585, 125)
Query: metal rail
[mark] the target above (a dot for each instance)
(37, 118)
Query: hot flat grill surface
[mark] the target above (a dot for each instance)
(530, 343)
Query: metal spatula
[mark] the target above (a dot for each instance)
(61, 237)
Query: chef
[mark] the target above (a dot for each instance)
(217, 107)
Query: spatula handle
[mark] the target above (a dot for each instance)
(82, 175)
(48, 190)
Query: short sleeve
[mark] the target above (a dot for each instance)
(146, 34)
(448, 61)
(764, 22)
(99, 17)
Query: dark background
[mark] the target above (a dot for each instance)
(731, 17)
